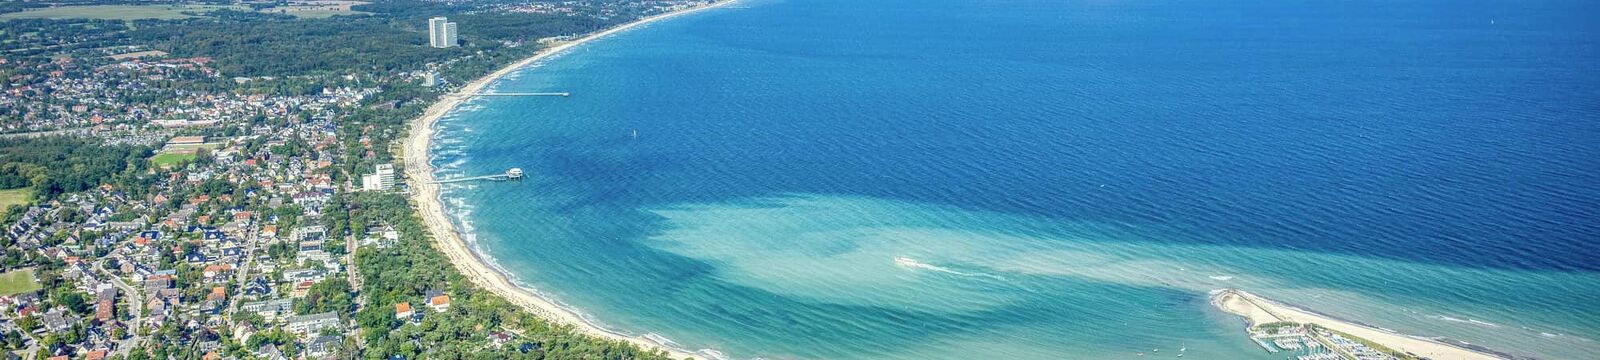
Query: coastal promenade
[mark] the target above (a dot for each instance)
(449, 241)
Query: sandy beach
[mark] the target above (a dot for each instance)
(1258, 310)
(420, 177)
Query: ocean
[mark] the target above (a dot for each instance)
(1047, 179)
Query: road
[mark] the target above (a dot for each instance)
(135, 302)
(243, 275)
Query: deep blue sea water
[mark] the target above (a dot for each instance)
(1057, 179)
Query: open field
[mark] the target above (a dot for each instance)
(165, 160)
(190, 148)
(10, 197)
(312, 13)
(112, 12)
(139, 54)
(17, 281)
(316, 9)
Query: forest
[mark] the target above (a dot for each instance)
(55, 165)
(267, 45)
(392, 39)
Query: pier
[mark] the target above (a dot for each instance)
(512, 174)
(561, 94)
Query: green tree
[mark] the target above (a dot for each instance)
(329, 295)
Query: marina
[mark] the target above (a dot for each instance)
(1277, 332)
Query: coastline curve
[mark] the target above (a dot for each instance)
(465, 257)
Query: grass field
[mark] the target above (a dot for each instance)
(191, 147)
(316, 9)
(312, 13)
(111, 12)
(17, 281)
(139, 54)
(10, 197)
(169, 159)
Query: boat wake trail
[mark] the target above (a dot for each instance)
(914, 264)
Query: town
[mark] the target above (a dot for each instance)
(240, 202)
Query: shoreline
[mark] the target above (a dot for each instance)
(465, 257)
(1258, 310)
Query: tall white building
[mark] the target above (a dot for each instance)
(436, 31)
(379, 180)
(441, 32)
(430, 79)
(385, 174)
(449, 34)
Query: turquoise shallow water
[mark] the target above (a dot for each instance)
(1047, 179)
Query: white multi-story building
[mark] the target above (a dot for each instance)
(449, 34)
(311, 324)
(382, 178)
(441, 32)
(436, 31)
(385, 174)
(369, 182)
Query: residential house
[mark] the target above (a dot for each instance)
(403, 311)
(439, 303)
(322, 346)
